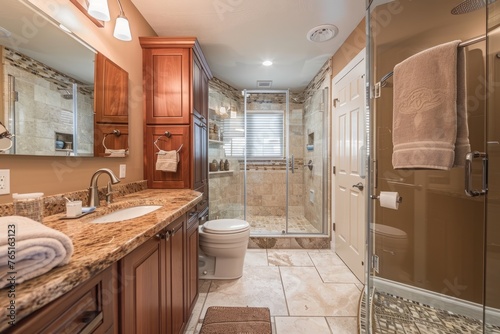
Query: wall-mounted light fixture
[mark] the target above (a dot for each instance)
(122, 27)
(99, 10)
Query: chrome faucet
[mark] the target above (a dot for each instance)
(94, 190)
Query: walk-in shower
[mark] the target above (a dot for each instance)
(434, 261)
(277, 152)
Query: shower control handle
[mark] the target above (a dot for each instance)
(293, 164)
(359, 185)
(309, 165)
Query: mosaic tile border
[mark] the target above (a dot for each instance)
(393, 315)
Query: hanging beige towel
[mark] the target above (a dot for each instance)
(37, 249)
(167, 161)
(429, 108)
(116, 153)
(462, 144)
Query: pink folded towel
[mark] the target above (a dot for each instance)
(29, 249)
(429, 116)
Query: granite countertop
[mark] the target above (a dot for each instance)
(97, 246)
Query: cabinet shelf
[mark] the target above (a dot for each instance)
(212, 141)
(222, 172)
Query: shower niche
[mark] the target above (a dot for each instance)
(63, 142)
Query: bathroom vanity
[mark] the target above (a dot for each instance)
(137, 275)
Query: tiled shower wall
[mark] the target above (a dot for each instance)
(225, 188)
(41, 110)
(313, 179)
(266, 183)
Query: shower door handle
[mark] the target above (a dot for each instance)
(469, 157)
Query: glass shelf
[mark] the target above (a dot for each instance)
(221, 172)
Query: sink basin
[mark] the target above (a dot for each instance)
(127, 213)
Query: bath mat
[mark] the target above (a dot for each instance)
(242, 320)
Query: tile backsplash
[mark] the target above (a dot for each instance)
(55, 204)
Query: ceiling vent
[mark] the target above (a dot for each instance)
(322, 33)
(264, 83)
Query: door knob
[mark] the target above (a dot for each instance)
(359, 185)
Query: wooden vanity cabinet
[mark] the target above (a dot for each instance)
(88, 308)
(141, 281)
(192, 240)
(152, 297)
(176, 76)
(175, 261)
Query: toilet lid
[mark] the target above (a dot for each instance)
(388, 231)
(220, 226)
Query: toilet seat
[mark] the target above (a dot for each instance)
(225, 226)
(388, 231)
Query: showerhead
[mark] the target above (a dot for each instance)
(468, 6)
(67, 95)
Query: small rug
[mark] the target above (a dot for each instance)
(220, 319)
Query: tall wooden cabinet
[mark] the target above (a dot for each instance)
(176, 78)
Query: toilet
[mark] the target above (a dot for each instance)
(223, 245)
(391, 245)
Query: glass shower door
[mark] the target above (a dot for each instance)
(492, 248)
(284, 155)
(266, 156)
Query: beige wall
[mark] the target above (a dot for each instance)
(351, 47)
(53, 175)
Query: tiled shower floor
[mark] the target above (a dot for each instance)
(394, 314)
(276, 224)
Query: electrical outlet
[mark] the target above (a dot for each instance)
(123, 171)
(4, 181)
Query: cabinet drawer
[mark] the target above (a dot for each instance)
(86, 309)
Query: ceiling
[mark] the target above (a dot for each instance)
(236, 36)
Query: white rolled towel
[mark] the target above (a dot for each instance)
(29, 249)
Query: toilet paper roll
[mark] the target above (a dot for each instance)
(389, 199)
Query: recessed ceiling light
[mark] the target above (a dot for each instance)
(322, 33)
(267, 63)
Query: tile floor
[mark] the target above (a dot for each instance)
(307, 291)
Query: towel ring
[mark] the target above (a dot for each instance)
(4, 136)
(168, 135)
(115, 132)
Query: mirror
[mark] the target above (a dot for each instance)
(47, 86)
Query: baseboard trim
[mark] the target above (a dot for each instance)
(437, 300)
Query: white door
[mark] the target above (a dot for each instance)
(348, 142)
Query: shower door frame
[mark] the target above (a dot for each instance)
(290, 164)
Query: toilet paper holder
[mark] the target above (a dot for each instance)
(399, 200)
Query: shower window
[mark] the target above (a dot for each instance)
(265, 135)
